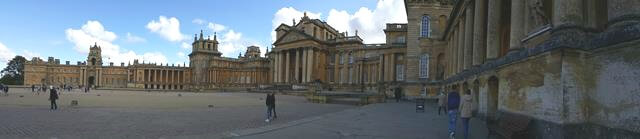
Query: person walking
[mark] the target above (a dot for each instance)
(453, 102)
(33, 88)
(269, 101)
(397, 93)
(441, 101)
(6, 90)
(53, 96)
(466, 112)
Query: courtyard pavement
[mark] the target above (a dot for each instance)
(377, 121)
(141, 114)
(137, 114)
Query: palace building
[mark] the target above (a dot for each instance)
(570, 65)
(208, 70)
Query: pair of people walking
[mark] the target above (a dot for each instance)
(455, 103)
(271, 107)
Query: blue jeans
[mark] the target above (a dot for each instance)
(269, 109)
(452, 121)
(465, 125)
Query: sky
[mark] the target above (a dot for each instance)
(161, 31)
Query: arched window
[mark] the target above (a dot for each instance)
(425, 30)
(424, 66)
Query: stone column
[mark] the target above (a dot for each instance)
(381, 68)
(479, 31)
(305, 53)
(517, 23)
(345, 68)
(310, 64)
(297, 70)
(287, 64)
(619, 11)
(468, 37)
(336, 70)
(461, 48)
(493, 25)
(392, 64)
(569, 12)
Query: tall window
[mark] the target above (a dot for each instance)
(399, 72)
(425, 30)
(424, 66)
(350, 59)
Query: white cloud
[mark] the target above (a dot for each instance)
(29, 55)
(134, 39)
(369, 22)
(6, 54)
(286, 15)
(169, 28)
(185, 45)
(198, 21)
(93, 32)
(216, 27)
(180, 54)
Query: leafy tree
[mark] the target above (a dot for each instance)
(13, 74)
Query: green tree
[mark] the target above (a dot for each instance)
(13, 74)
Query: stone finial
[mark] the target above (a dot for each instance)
(201, 35)
(305, 13)
(294, 21)
(356, 32)
(215, 36)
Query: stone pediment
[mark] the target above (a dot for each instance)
(292, 36)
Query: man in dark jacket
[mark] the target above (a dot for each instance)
(453, 101)
(53, 96)
(269, 102)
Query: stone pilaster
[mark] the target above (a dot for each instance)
(493, 26)
(479, 31)
(517, 24)
(468, 37)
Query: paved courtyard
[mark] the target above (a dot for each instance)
(377, 121)
(138, 114)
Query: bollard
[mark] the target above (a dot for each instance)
(179, 95)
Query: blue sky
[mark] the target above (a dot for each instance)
(162, 31)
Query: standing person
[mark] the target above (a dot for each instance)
(6, 90)
(453, 101)
(53, 96)
(465, 112)
(33, 88)
(441, 101)
(273, 105)
(269, 101)
(397, 93)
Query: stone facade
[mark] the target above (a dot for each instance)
(568, 64)
(208, 70)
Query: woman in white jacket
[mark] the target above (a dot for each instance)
(465, 111)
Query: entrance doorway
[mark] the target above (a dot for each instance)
(92, 81)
